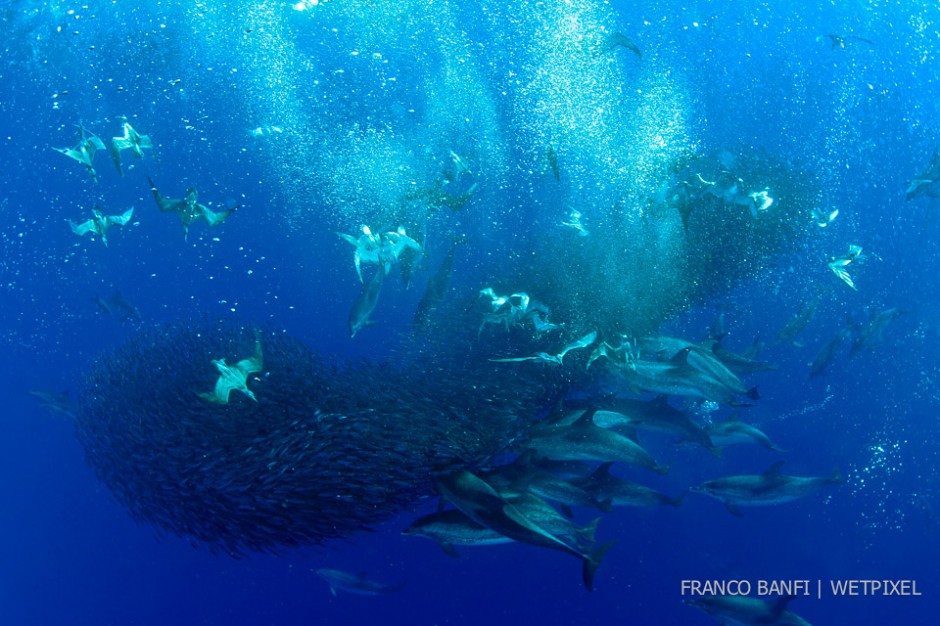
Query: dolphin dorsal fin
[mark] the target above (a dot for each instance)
(661, 402)
(586, 420)
(774, 469)
(779, 605)
(602, 472)
(681, 358)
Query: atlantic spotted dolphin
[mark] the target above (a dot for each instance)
(484, 505)
(733, 431)
(453, 528)
(768, 488)
(606, 487)
(842, 41)
(436, 291)
(585, 441)
(748, 611)
(339, 580)
(617, 39)
(118, 305)
(927, 183)
(361, 312)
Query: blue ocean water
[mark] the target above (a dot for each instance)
(359, 95)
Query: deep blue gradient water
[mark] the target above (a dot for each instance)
(751, 78)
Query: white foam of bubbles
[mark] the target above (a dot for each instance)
(875, 481)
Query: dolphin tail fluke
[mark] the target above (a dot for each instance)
(661, 469)
(588, 531)
(677, 501)
(591, 562)
(835, 477)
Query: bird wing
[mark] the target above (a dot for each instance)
(254, 363)
(83, 228)
(211, 216)
(123, 218)
(72, 154)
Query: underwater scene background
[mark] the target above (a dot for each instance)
(554, 208)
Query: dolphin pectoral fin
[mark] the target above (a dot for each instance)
(773, 470)
(733, 509)
(677, 501)
(591, 562)
(449, 549)
(144, 142)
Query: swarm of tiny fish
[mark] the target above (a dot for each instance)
(327, 449)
